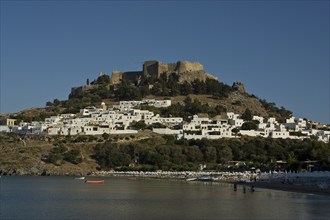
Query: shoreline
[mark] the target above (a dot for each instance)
(310, 183)
(289, 188)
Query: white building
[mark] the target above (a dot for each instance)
(169, 121)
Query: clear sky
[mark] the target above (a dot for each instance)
(278, 49)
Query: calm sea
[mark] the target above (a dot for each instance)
(123, 198)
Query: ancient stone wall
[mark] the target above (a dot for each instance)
(116, 77)
(77, 92)
(150, 68)
(185, 66)
(191, 76)
(166, 68)
(132, 76)
(187, 71)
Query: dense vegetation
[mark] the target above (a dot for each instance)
(166, 85)
(129, 152)
(166, 153)
(61, 153)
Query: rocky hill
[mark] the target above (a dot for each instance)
(175, 81)
(184, 71)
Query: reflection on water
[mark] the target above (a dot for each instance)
(121, 198)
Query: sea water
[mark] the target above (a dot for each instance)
(127, 198)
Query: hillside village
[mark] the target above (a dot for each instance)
(166, 80)
(124, 118)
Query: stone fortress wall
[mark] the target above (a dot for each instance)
(185, 66)
(117, 77)
(187, 71)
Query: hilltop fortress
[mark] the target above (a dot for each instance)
(187, 71)
(184, 70)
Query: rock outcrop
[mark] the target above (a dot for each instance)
(239, 87)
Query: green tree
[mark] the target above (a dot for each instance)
(103, 79)
(126, 91)
(139, 125)
(235, 131)
(105, 136)
(194, 154)
(55, 158)
(210, 155)
(247, 115)
(145, 91)
(198, 86)
(185, 88)
(249, 125)
(156, 89)
(225, 154)
(73, 156)
(56, 102)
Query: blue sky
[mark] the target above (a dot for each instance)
(278, 49)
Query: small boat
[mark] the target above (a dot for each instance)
(207, 178)
(80, 178)
(95, 182)
(191, 179)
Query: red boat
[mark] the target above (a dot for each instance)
(95, 182)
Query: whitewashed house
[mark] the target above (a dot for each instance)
(251, 133)
(162, 103)
(142, 114)
(4, 129)
(232, 115)
(167, 131)
(236, 122)
(54, 130)
(96, 130)
(53, 120)
(258, 118)
(167, 121)
(280, 134)
(89, 110)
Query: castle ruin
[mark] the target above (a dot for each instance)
(187, 71)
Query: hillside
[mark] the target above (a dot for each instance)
(147, 151)
(160, 81)
(29, 155)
